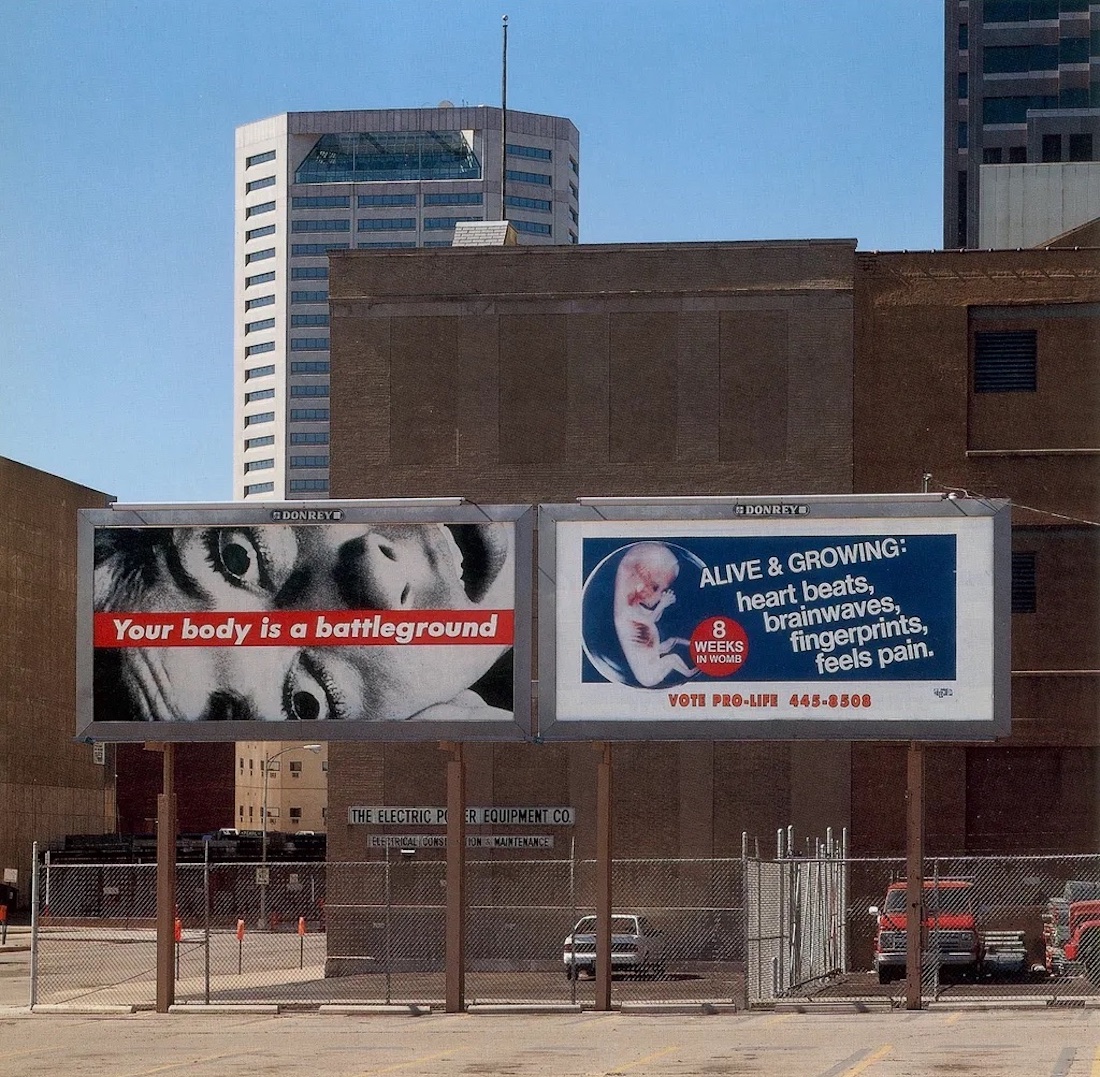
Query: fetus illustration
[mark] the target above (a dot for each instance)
(643, 591)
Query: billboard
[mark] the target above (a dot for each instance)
(368, 621)
(815, 617)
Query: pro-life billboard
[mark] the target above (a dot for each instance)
(777, 618)
(362, 621)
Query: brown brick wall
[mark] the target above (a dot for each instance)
(49, 785)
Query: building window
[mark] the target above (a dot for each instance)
(1010, 10)
(455, 198)
(309, 484)
(543, 205)
(1052, 148)
(259, 278)
(324, 766)
(309, 297)
(574, 166)
(309, 344)
(535, 228)
(309, 390)
(309, 273)
(255, 327)
(309, 366)
(991, 155)
(386, 200)
(259, 158)
(259, 394)
(259, 371)
(1080, 147)
(258, 488)
(1074, 97)
(260, 207)
(444, 224)
(259, 417)
(273, 813)
(259, 349)
(259, 185)
(260, 301)
(321, 226)
(1073, 50)
(1014, 109)
(308, 461)
(574, 192)
(390, 244)
(308, 319)
(386, 224)
(259, 233)
(309, 437)
(573, 238)
(300, 249)
(259, 256)
(308, 415)
(1005, 362)
(258, 443)
(389, 157)
(438, 243)
(963, 135)
(529, 177)
(1017, 155)
(574, 215)
(295, 768)
(259, 465)
(295, 815)
(1023, 582)
(250, 807)
(321, 201)
(964, 85)
(964, 37)
(961, 210)
(536, 152)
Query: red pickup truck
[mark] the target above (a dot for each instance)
(1082, 948)
(949, 924)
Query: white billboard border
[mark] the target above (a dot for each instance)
(817, 506)
(225, 514)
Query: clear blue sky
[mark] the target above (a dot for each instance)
(768, 119)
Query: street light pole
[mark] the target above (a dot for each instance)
(315, 748)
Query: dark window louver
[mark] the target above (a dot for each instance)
(1005, 362)
(1023, 583)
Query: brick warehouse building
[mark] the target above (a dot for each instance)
(523, 374)
(980, 368)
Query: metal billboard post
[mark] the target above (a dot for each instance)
(603, 878)
(456, 877)
(166, 882)
(914, 853)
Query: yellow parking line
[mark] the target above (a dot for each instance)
(954, 1019)
(1096, 1063)
(413, 1062)
(641, 1061)
(870, 1060)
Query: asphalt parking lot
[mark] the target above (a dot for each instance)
(1022, 1038)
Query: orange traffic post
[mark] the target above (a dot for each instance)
(177, 932)
(240, 945)
(3, 924)
(301, 942)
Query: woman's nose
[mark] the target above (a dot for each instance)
(371, 573)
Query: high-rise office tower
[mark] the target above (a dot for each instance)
(1021, 87)
(311, 182)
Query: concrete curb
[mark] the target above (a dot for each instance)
(679, 1008)
(845, 1006)
(390, 1009)
(71, 1009)
(219, 1007)
(524, 1007)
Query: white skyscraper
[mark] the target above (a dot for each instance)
(311, 182)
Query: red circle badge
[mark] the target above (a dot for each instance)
(719, 647)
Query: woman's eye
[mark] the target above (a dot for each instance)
(238, 558)
(305, 696)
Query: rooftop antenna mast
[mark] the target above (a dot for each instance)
(503, 114)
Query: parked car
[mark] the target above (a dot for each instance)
(1056, 922)
(1082, 948)
(635, 947)
(949, 925)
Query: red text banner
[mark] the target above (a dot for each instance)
(305, 628)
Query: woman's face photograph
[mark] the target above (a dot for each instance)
(281, 567)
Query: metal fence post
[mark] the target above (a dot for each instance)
(573, 920)
(206, 923)
(389, 921)
(34, 925)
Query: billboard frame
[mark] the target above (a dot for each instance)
(398, 511)
(770, 511)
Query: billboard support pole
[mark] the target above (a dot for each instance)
(603, 878)
(456, 877)
(166, 880)
(914, 854)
